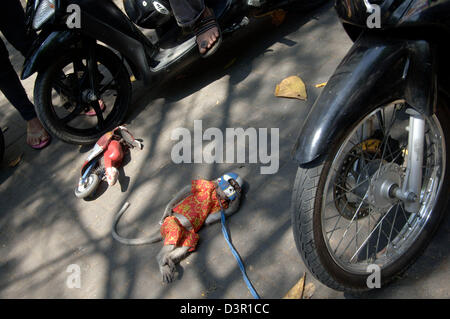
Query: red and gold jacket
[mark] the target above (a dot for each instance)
(196, 208)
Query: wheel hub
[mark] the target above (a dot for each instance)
(387, 176)
(82, 186)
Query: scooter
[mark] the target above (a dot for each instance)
(104, 160)
(373, 177)
(76, 74)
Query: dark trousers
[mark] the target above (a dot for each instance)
(187, 12)
(12, 26)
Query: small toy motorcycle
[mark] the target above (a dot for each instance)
(112, 146)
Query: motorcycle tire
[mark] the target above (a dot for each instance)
(309, 206)
(46, 111)
(90, 187)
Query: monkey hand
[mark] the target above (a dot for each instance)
(168, 270)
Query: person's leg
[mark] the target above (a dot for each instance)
(12, 88)
(12, 25)
(207, 33)
(188, 13)
(14, 92)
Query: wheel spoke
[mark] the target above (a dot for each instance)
(99, 114)
(370, 235)
(351, 222)
(392, 228)
(110, 85)
(77, 111)
(404, 214)
(60, 87)
(350, 191)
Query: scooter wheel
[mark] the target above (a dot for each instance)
(62, 91)
(83, 191)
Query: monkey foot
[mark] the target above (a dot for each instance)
(167, 274)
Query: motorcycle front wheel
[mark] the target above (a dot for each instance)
(343, 226)
(80, 97)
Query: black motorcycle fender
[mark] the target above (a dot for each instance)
(51, 44)
(45, 48)
(375, 71)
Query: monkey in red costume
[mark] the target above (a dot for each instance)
(195, 205)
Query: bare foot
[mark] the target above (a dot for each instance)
(206, 39)
(36, 134)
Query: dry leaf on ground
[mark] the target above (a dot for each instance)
(296, 292)
(278, 17)
(16, 162)
(309, 291)
(292, 87)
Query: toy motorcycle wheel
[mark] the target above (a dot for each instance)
(89, 187)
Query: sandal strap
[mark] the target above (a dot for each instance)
(205, 27)
(206, 24)
(41, 134)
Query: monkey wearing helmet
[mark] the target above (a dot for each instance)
(195, 205)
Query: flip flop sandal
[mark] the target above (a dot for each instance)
(42, 144)
(91, 112)
(204, 25)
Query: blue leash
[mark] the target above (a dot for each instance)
(236, 255)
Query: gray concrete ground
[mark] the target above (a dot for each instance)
(44, 228)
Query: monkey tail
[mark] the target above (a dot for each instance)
(132, 241)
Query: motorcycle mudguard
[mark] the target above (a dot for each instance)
(374, 72)
(44, 50)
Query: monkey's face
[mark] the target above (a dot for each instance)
(235, 185)
(222, 194)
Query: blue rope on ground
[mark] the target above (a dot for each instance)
(236, 255)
